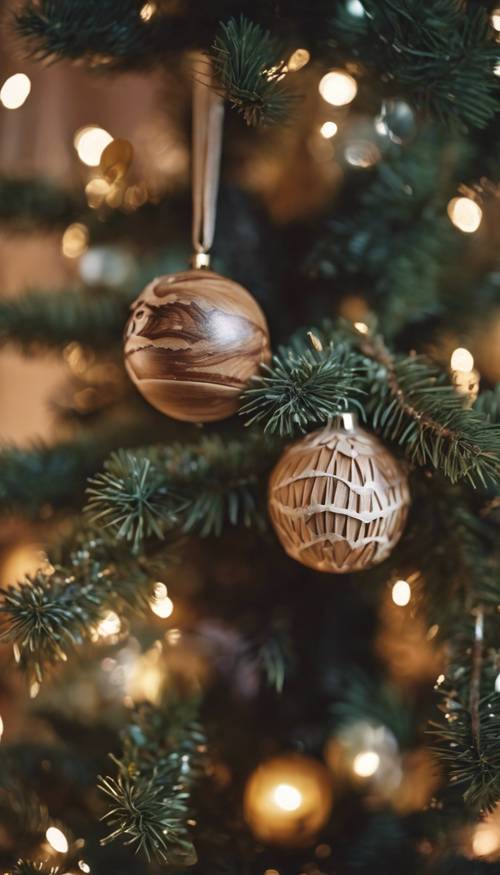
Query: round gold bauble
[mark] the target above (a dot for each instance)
(287, 800)
(338, 499)
(192, 343)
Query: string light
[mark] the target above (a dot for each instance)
(366, 763)
(338, 88)
(96, 191)
(401, 593)
(90, 142)
(75, 240)
(57, 840)
(109, 626)
(354, 7)
(83, 866)
(287, 800)
(287, 797)
(15, 91)
(298, 59)
(461, 360)
(486, 839)
(160, 603)
(362, 327)
(1, 727)
(495, 19)
(465, 214)
(147, 11)
(328, 130)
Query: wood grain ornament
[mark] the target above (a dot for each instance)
(338, 500)
(192, 343)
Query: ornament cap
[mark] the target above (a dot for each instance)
(201, 261)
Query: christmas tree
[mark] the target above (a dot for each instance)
(262, 637)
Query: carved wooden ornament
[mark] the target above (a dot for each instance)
(338, 500)
(192, 343)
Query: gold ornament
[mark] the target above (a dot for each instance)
(192, 343)
(338, 499)
(116, 160)
(287, 800)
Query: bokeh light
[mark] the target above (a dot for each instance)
(465, 214)
(15, 90)
(338, 87)
(90, 142)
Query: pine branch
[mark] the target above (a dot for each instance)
(53, 319)
(29, 867)
(150, 798)
(472, 757)
(106, 33)
(26, 203)
(32, 479)
(415, 406)
(49, 615)
(300, 390)
(198, 487)
(400, 241)
(249, 66)
(442, 54)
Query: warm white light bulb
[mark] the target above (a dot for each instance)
(328, 130)
(298, 59)
(90, 142)
(163, 607)
(461, 360)
(287, 797)
(486, 840)
(109, 626)
(401, 593)
(147, 11)
(57, 840)
(366, 763)
(495, 19)
(465, 214)
(354, 7)
(15, 90)
(362, 327)
(75, 240)
(338, 88)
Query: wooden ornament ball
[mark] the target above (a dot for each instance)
(338, 500)
(193, 341)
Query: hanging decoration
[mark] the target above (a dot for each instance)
(194, 339)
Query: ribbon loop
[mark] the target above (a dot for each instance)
(208, 119)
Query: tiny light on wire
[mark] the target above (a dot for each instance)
(486, 840)
(354, 7)
(57, 840)
(109, 626)
(90, 142)
(328, 130)
(298, 59)
(160, 603)
(338, 87)
(465, 214)
(75, 240)
(401, 593)
(15, 91)
(366, 763)
(147, 11)
(362, 327)
(495, 19)
(287, 797)
(461, 359)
